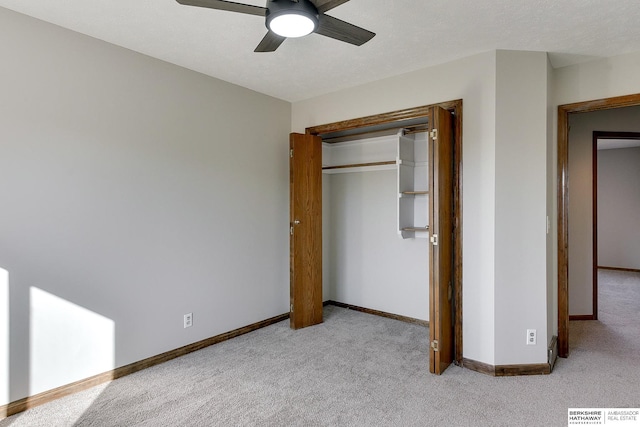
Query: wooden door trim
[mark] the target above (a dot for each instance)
(385, 118)
(563, 202)
(594, 226)
(414, 113)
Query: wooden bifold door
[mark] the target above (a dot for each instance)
(305, 230)
(441, 238)
(306, 234)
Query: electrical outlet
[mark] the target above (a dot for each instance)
(188, 320)
(531, 337)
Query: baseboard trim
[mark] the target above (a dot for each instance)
(379, 313)
(56, 393)
(483, 368)
(528, 369)
(633, 270)
(582, 317)
(507, 370)
(29, 402)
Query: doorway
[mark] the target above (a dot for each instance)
(399, 119)
(606, 140)
(564, 113)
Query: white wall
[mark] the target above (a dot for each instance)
(473, 80)
(598, 79)
(371, 266)
(619, 208)
(328, 273)
(504, 187)
(133, 191)
(520, 214)
(581, 197)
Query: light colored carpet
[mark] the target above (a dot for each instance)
(361, 370)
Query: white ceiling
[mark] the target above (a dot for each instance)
(411, 34)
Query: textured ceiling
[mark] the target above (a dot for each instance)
(411, 34)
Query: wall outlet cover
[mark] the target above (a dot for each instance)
(531, 337)
(188, 320)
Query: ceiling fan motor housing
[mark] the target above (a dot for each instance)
(277, 8)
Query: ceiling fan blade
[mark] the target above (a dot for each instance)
(226, 5)
(343, 31)
(326, 5)
(270, 42)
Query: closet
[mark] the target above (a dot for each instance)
(389, 204)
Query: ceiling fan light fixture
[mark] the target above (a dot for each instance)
(291, 18)
(292, 25)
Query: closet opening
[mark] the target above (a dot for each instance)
(385, 182)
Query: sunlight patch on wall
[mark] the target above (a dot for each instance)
(68, 342)
(4, 336)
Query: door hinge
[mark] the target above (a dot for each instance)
(434, 345)
(434, 134)
(434, 240)
(291, 153)
(291, 308)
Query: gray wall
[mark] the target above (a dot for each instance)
(581, 197)
(503, 190)
(472, 79)
(132, 192)
(619, 208)
(370, 265)
(520, 239)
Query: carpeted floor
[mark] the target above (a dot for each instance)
(361, 370)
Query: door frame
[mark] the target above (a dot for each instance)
(398, 116)
(596, 136)
(563, 201)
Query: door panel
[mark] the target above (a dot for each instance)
(305, 190)
(441, 248)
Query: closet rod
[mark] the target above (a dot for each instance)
(415, 228)
(360, 165)
(365, 134)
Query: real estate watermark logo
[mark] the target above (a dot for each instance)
(628, 417)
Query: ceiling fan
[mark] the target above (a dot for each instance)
(293, 18)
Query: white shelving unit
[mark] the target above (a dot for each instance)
(411, 163)
(413, 184)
